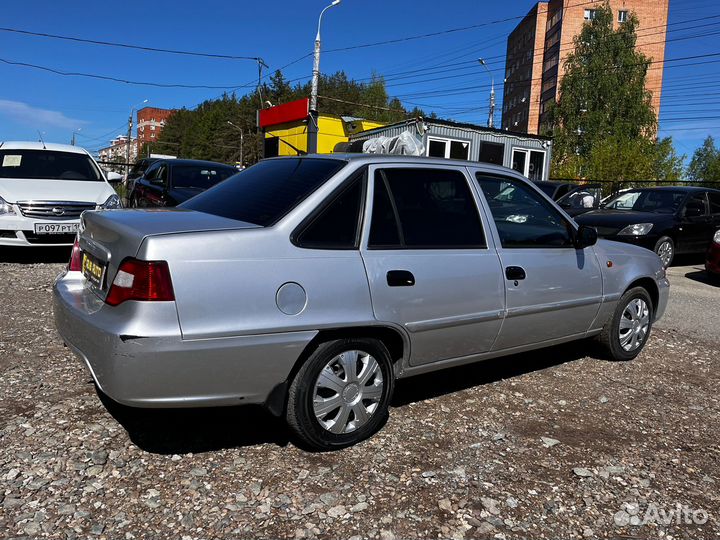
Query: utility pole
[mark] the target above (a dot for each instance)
(260, 137)
(75, 132)
(313, 117)
(242, 163)
(129, 137)
(491, 115)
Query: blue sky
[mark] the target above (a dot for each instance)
(281, 32)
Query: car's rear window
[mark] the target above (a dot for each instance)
(47, 165)
(264, 193)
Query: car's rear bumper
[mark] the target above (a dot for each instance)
(136, 354)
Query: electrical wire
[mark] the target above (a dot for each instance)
(128, 46)
(115, 79)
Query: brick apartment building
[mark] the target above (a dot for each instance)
(539, 45)
(150, 123)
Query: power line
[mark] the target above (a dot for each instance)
(127, 45)
(443, 67)
(115, 79)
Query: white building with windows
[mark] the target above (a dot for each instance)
(528, 154)
(116, 152)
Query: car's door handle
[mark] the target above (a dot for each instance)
(400, 278)
(515, 273)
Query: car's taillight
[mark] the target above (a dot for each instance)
(75, 264)
(141, 280)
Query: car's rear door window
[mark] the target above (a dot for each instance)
(264, 193)
(522, 217)
(714, 199)
(423, 208)
(337, 224)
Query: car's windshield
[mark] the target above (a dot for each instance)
(264, 193)
(647, 200)
(199, 176)
(48, 165)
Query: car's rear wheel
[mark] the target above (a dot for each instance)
(340, 396)
(665, 249)
(626, 332)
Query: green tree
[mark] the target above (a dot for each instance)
(603, 124)
(705, 163)
(204, 132)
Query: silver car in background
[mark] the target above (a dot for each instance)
(311, 284)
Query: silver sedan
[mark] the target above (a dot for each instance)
(311, 284)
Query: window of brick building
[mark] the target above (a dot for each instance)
(590, 14)
(622, 16)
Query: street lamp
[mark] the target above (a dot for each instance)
(74, 133)
(491, 116)
(313, 127)
(242, 163)
(129, 136)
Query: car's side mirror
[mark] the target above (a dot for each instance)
(585, 237)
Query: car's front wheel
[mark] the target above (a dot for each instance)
(341, 394)
(626, 332)
(665, 249)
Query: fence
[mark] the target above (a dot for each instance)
(611, 187)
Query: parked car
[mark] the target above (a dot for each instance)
(309, 284)
(138, 170)
(44, 188)
(712, 257)
(575, 199)
(667, 220)
(169, 182)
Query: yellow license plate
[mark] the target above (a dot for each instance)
(93, 269)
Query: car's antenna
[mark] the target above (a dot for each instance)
(41, 139)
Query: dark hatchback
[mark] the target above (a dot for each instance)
(169, 182)
(667, 220)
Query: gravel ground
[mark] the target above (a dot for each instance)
(557, 443)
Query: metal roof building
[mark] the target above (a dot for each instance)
(528, 154)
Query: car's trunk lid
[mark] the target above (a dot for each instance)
(109, 236)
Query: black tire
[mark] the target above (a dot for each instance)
(610, 337)
(665, 241)
(300, 413)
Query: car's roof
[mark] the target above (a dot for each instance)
(36, 145)
(193, 162)
(390, 158)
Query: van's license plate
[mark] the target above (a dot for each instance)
(56, 228)
(93, 270)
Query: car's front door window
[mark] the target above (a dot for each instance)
(522, 217)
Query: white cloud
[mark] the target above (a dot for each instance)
(37, 118)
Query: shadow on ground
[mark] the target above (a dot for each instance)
(452, 380)
(701, 276)
(34, 255)
(180, 431)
